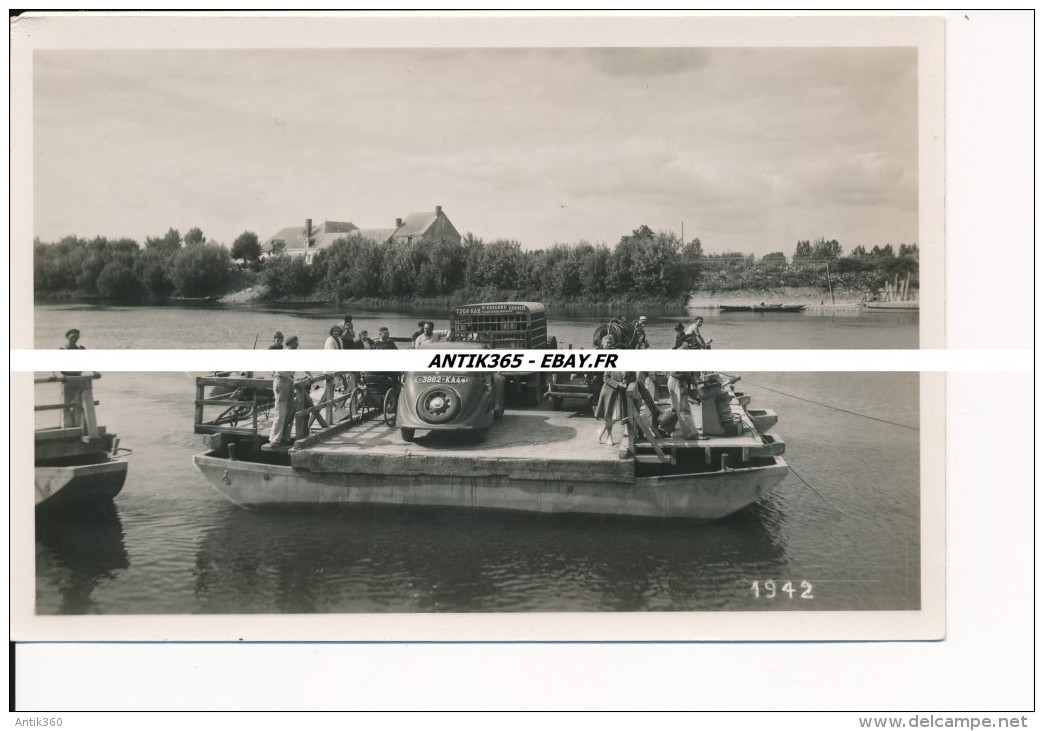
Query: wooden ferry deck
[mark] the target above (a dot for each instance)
(531, 443)
(532, 459)
(539, 440)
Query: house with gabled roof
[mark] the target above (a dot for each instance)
(427, 226)
(307, 240)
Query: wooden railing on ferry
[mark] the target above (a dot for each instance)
(239, 400)
(641, 422)
(77, 401)
(244, 398)
(305, 417)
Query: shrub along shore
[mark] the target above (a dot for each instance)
(645, 269)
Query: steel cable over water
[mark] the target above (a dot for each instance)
(835, 408)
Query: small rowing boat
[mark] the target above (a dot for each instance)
(895, 305)
(762, 308)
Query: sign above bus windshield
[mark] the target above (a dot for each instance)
(490, 309)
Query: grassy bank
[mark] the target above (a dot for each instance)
(258, 294)
(812, 297)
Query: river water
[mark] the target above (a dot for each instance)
(173, 545)
(220, 326)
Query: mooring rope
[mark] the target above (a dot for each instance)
(836, 408)
(817, 492)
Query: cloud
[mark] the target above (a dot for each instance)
(746, 145)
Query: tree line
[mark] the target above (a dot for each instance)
(813, 264)
(643, 266)
(643, 263)
(121, 269)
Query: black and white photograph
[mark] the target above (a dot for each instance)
(437, 492)
(780, 194)
(543, 219)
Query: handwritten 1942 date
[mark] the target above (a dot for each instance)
(771, 590)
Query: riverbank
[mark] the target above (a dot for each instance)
(255, 293)
(813, 298)
(258, 295)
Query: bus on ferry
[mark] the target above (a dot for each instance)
(507, 325)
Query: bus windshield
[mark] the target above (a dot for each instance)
(502, 324)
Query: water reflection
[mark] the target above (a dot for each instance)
(381, 559)
(77, 553)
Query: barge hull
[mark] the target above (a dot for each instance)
(697, 496)
(79, 485)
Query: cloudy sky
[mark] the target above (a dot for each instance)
(753, 149)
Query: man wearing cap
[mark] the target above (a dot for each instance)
(283, 409)
(72, 342)
(71, 390)
(642, 342)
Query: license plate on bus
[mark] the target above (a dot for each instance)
(442, 379)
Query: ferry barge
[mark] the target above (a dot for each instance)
(349, 451)
(76, 463)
